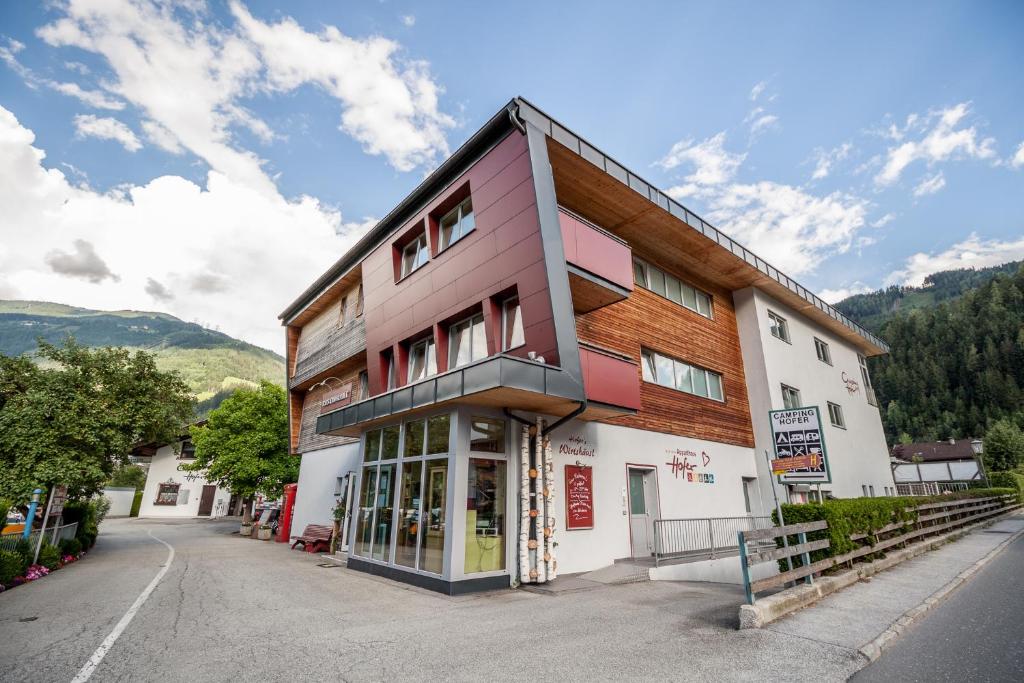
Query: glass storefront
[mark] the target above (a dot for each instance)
(403, 516)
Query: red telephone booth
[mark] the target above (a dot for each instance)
(284, 529)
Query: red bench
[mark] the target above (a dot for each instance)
(316, 538)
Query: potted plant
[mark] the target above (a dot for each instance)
(246, 529)
(339, 514)
(264, 532)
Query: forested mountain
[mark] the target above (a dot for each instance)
(957, 358)
(210, 362)
(874, 308)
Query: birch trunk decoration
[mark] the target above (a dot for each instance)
(524, 507)
(546, 458)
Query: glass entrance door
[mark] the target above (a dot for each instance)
(643, 506)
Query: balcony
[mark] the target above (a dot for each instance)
(328, 348)
(600, 264)
(610, 379)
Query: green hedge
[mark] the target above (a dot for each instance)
(851, 516)
(49, 556)
(1010, 480)
(11, 565)
(136, 504)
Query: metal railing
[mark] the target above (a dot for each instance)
(10, 541)
(701, 538)
(929, 488)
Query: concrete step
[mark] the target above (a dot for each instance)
(620, 572)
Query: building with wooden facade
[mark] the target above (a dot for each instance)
(537, 354)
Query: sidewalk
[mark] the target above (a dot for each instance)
(853, 617)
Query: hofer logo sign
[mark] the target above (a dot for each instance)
(800, 456)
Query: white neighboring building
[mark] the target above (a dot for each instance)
(322, 482)
(785, 352)
(171, 492)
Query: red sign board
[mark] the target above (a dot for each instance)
(336, 398)
(579, 497)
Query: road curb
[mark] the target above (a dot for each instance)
(874, 649)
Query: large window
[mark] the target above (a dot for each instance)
(389, 370)
(487, 435)
(422, 521)
(778, 326)
(457, 223)
(485, 516)
(675, 374)
(414, 254)
(790, 397)
(511, 325)
(422, 360)
(467, 341)
(663, 284)
(823, 352)
(376, 507)
(835, 415)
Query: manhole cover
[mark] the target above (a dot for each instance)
(327, 565)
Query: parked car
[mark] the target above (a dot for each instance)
(15, 522)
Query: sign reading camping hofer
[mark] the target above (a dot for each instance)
(799, 446)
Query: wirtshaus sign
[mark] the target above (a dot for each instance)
(797, 435)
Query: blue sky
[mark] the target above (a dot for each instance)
(211, 160)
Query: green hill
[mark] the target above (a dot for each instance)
(874, 308)
(210, 362)
(957, 352)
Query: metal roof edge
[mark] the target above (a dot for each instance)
(565, 136)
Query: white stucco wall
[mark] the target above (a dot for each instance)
(614, 448)
(318, 476)
(858, 455)
(120, 498)
(164, 469)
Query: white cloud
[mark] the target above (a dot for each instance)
(973, 252)
(408, 20)
(756, 91)
(930, 185)
(89, 126)
(188, 77)
(884, 220)
(825, 159)
(713, 165)
(941, 137)
(834, 296)
(763, 123)
(261, 248)
(93, 98)
(1018, 159)
(787, 225)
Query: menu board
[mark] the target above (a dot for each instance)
(579, 497)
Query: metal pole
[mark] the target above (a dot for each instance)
(711, 537)
(42, 532)
(31, 517)
(778, 509)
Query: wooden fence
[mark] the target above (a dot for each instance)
(932, 518)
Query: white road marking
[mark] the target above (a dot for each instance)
(86, 671)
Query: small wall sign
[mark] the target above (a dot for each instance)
(579, 497)
(690, 466)
(578, 447)
(852, 385)
(336, 398)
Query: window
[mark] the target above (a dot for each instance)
(485, 516)
(824, 354)
(364, 385)
(457, 223)
(188, 450)
(835, 414)
(389, 370)
(467, 342)
(422, 360)
(342, 309)
(661, 283)
(487, 435)
(511, 325)
(422, 495)
(414, 254)
(675, 374)
(374, 514)
(790, 397)
(359, 300)
(167, 494)
(779, 326)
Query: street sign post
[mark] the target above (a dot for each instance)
(800, 455)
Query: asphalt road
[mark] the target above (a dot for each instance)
(230, 608)
(977, 634)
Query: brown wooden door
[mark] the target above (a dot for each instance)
(206, 502)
